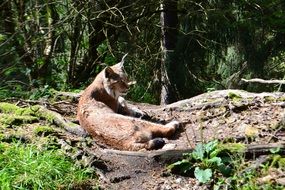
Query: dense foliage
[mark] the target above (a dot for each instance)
(64, 44)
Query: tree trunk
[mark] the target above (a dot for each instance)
(45, 71)
(95, 37)
(169, 23)
(24, 49)
(75, 39)
(9, 26)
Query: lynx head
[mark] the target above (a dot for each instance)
(115, 79)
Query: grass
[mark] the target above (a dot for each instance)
(23, 166)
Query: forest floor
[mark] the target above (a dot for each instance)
(255, 121)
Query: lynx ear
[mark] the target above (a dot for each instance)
(121, 64)
(108, 72)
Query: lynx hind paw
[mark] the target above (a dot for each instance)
(156, 143)
(173, 124)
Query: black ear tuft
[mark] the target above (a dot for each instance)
(108, 72)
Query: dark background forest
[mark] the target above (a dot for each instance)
(176, 48)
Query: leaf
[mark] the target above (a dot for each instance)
(226, 170)
(215, 152)
(2, 37)
(102, 48)
(198, 152)
(203, 176)
(181, 166)
(274, 150)
(211, 146)
(215, 160)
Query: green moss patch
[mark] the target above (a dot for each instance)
(234, 96)
(43, 130)
(11, 114)
(12, 119)
(8, 108)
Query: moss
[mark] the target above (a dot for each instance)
(233, 147)
(49, 117)
(38, 112)
(33, 111)
(15, 115)
(8, 108)
(234, 97)
(269, 99)
(281, 99)
(12, 119)
(43, 130)
(27, 111)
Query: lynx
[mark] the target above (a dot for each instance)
(105, 115)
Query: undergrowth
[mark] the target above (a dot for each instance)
(224, 166)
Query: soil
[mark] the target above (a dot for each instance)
(228, 115)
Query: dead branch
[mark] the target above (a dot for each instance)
(257, 80)
(261, 149)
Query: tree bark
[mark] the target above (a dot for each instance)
(24, 49)
(75, 39)
(45, 71)
(169, 23)
(9, 26)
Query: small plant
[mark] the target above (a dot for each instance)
(203, 162)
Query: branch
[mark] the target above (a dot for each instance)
(250, 151)
(257, 80)
(60, 121)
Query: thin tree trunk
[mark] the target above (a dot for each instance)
(75, 39)
(24, 49)
(9, 26)
(46, 69)
(169, 23)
